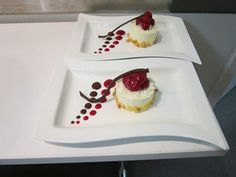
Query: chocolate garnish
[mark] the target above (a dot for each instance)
(111, 32)
(94, 100)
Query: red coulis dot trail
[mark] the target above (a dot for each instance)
(103, 100)
(92, 113)
(120, 32)
(116, 42)
(85, 117)
(106, 49)
(119, 37)
(77, 122)
(111, 46)
(108, 82)
(98, 106)
(103, 92)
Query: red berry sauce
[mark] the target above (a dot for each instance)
(117, 36)
(92, 113)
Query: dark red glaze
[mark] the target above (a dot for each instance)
(120, 32)
(119, 38)
(88, 105)
(78, 117)
(136, 81)
(103, 92)
(72, 122)
(98, 106)
(109, 38)
(77, 122)
(106, 49)
(107, 42)
(108, 82)
(83, 111)
(96, 85)
(93, 94)
(85, 117)
(116, 42)
(93, 112)
(112, 46)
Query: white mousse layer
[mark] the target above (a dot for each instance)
(137, 98)
(137, 33)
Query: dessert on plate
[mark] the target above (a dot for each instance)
(134, 91)
(143, 31)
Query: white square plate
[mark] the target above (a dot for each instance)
(181, 111)
(173, 39)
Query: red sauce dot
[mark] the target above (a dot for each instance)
(119, 37)
(111, 46)
(108, 82)
(105, 91)
(98, 106)
(120, 32)
(103, 100)
(77, 122)
(72, 122)
(106, 49)
(116, 42)
(92, 113)
(85, 117)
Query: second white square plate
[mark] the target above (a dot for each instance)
(181, 110)
(173, 39)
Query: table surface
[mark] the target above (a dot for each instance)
(28, 53)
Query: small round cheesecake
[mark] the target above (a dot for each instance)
(143, 32)
(140, 37)
(135, 101)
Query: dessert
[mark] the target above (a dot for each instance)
(134, 91)
(143, 32)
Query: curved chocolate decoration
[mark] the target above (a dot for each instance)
(112, 32)
(94, 100)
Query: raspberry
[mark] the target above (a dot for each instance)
(145, 26)
(135, 81)
(152, 22)
(148, 13)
